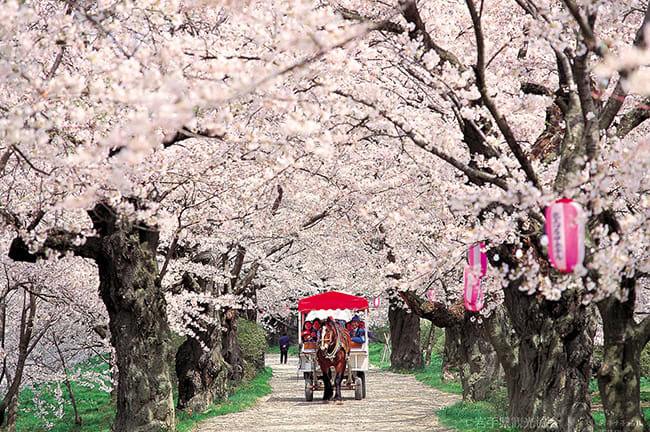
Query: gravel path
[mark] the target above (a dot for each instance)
(395, 403)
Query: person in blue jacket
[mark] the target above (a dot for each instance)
(284, 347)
(357, 333)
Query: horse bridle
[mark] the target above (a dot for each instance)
(332, 354)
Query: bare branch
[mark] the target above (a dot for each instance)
(503, 125)
(277, 201)
(438, 313)
(617, 98)
(475, 176)
(633, 118)
(412, 15)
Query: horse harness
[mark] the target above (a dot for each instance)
(330, 355)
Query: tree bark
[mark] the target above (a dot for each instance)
(231, 350)
(202, 375)
(200, 367)
(467, 345)
(11, 417)
(548, 367)
(619, 375)
(479, 366)
(139, 330)
(7, 416)
(405, 338)
(451, 357)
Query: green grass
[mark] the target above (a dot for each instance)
(431, 375)
(97, 412)
(375, 351)
(473, 417)
(244, 397)
(93, 404)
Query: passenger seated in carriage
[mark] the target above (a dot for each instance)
(316, 325)
(307, 332)
(357, 334)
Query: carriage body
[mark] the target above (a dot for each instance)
(341, 307)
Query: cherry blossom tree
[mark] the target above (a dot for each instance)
(513, 109)
(322, 136)
(47, 318)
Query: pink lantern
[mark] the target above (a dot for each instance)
(565, 229)
(376, 302)
(432, 296)
(477, 259)
(473, 291)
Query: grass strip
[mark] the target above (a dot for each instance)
(97, 412)
(245, 396)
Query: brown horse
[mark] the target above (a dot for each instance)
(333, 350)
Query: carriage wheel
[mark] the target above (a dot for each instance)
(362, 375)
(309, 390)
(358, 389)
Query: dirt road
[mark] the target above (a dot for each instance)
(394, 403)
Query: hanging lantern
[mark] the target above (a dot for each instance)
(477, 259)
(376, 302)
(473, 291)
(432, 295)
(565, 230)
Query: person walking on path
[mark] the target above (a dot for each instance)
(284, 347)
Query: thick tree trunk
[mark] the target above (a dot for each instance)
(479, 367)
(405, 338)
(202, 375)
(139, 330)
(619, 375)
(548, 368)
(467, 345)
(200, 367)
(231, 350)
(125, 254)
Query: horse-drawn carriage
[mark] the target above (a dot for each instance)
(332, 346)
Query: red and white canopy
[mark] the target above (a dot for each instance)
(332, 300)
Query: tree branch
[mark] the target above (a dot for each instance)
(633, 118)
(617, 98)
(412, 15)
(501, 122)
(475, 176)
(590, 133)
(436, 312)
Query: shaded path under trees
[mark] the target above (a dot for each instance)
(394, 402)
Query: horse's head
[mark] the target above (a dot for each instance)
(327, 335)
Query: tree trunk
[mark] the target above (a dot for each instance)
(427, 352)
(200, 367)
(548, 368)
(405, 338)
(125, 254)
(139, 330)
(479, 366)
(451, 357)
(467, 345)
(202, 375)
(11, 416)
(619, 375)
(77, 418)
(231, 350)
